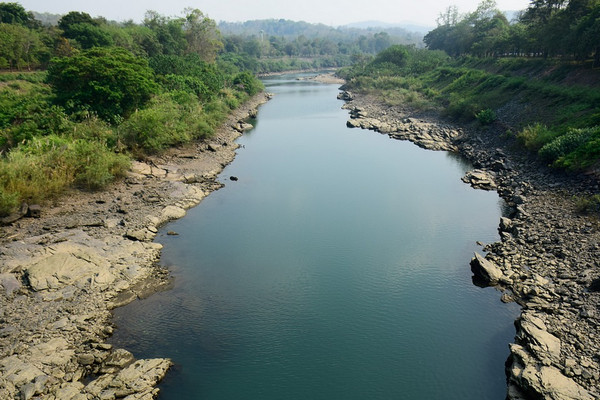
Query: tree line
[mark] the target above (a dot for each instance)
(547, 28)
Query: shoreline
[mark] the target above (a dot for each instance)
(61, 274)
(547, 259)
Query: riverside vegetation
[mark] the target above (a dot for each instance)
(109, 93)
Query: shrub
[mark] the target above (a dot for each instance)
(248, 83)
(486, 117)
(108, 81)
(96, 165)
(565, 144)
(8, 202)
(535, 136)
(587, 204)
(586, 155)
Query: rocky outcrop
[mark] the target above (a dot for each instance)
(428, 135)
(61, 274)
(480, 179)
(486, 271)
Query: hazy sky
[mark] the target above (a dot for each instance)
(330, 12)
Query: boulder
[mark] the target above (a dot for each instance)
(170, 213)
(480, 179)
(486, 270)
(532, 332)
(9, 283)
(506, 224)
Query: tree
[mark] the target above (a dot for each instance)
(20, 47)
(75, 18)
(169, 32)
(202, 35)
(14, 13)
(110, 82)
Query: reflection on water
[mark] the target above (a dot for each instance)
(336, 267)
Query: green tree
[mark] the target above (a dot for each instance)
(202, 35)
(74, 18)
(20, 47)
(110, 82)
(169, 32)
(14, 13)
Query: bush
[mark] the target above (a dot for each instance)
(248, 83)
(588, 204)
(110, 82)
(567, 143)
(535, 136)
(8, 202)
(45, 167)
(154, 128)
(95, 165)
(585, 156)
(486, 117)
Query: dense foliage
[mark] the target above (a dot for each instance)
(104, 92)
(548, 28)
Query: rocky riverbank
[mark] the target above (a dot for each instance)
(548, 256)
(62, 273)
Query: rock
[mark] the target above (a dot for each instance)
(61, 269)
(233, 178)
(142, 375)
(35, 211)
(244, 127)
(346, 96)
(486, 270)
(86, 359)
(353, 123)
(17, 372)
(142, 235)
(532, 332)
(17, 215)
(117, 360)
(170, 213)
(141, 168)
(506, 224)
(480, 179)
(9, 283)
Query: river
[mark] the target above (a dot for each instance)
(336, 267)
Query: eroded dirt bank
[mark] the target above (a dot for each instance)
(547, 258)
(61, 274)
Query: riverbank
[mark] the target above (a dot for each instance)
(62, 273)
(547, 259)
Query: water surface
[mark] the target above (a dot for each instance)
(337, 267)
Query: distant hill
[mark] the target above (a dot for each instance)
(407, 26)
(292, 29)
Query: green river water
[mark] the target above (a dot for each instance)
(337, 267)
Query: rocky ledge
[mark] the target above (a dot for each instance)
(62, 273)
(548, 256)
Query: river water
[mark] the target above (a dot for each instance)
(336, 267)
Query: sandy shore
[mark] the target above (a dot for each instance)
(61, 274)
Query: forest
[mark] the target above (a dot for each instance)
(568, 29)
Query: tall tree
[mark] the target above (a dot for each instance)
(202, 35)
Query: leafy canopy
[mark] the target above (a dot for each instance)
(108, 81)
